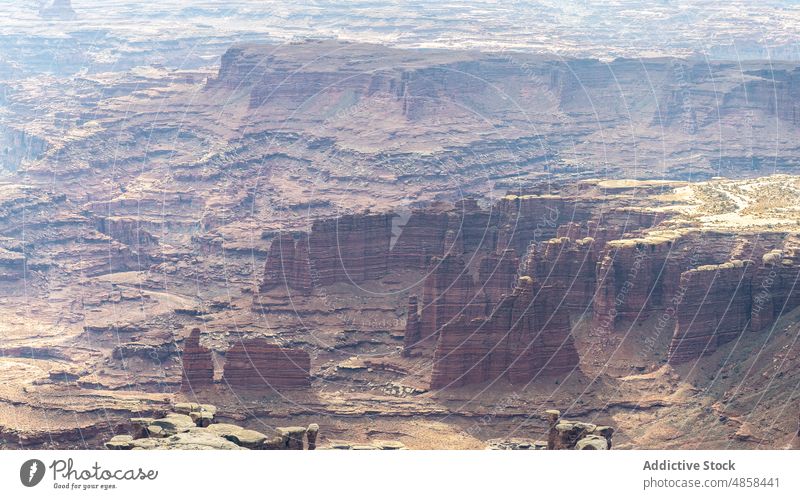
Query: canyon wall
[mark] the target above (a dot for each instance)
(527, 335)
(638, 277)
(715, 309)
(348, 249)
(198, 366)
(351, 248)
(568, 267)
(775, 288)
(288, 267)
(256, 365)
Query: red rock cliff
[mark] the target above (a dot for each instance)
(255, 364)
(198, 366)
(350, 249)
(715, 309)
(287, 268)
(527, 335)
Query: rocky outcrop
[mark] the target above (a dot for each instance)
(181, 429)
(198, 365)
(422, 238)
(257, 365)
(715, 309)
(202, 415)
(535, 217)
(563, 434)
(775, 288)
(350, 249)
(448, 291)
(567, 266)
(526, 336)
(413, 330)
(497, 274)
(311, 435)
(287, 269)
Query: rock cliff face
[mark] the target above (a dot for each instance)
(198, 366)
(435, 231)
(775, 288)
(348, 249)
(715, 309)
(126, 230)
(496, 275)
(351, 248)
(566, 265)
(287, 269)
(421, 239)
(256, 365)
(448, 292)
(630, 279)
(637, 277)
(413, 331)
(526, 336)
(536, 218)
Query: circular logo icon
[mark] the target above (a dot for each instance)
(31, 472)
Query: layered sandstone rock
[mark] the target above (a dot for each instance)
(198, 366)
(350, 249)
(567, 266)
(287, 269)
(532, 218)
(413, 329)
(564, 434)
(715, 309)
(311, 435)
(630, 279)
(448, 291)
(527, 335)
(254, 364)
(639, 276)
(439, 230)
(476, 227)
(422, 238)
(775, 288)
(497, 274)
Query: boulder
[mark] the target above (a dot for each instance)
(170, 424)
(120, 442)
(311, 435)
(292, 436)
(592, 442)
(242, 437)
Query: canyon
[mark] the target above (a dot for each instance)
(402, 243)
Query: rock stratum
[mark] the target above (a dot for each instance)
(403, 242)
